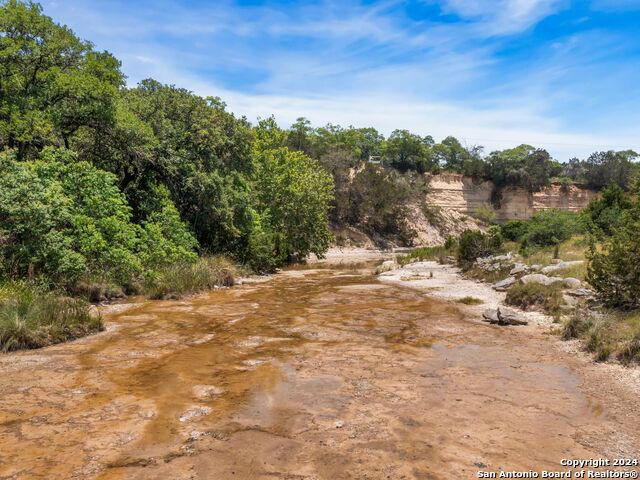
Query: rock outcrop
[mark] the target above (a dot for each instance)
(462, 194)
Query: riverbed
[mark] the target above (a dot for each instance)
(321, 372)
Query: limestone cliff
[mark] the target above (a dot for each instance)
(461, 194)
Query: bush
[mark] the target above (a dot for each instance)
(421, 254)
(551, 227)
(474, 244)
(64, 219)
(547, 297)
(514, 230)
(470, 301)
(183, 278)
(31, 317)
(614, 266)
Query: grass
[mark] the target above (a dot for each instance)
(470, 301)
(613, 334)
(438, 253)
(31, 317)
(188, 278)
(572, 249)
(493, 276)
(535, 295)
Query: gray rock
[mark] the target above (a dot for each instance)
(571, 282)
(509, 317)
(580, 292)
(503, 258)
(491, 316)
(561, 266)
(518, 269)
(503, 285)
(555, 261)
(536, 267)
(540, 278)
(535, 278)
(503, 316)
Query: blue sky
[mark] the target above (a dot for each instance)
(560, 74)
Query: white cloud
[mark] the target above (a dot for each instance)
(500, 17)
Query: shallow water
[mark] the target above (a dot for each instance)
(321, 372)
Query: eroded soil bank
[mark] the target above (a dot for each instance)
(323, 372)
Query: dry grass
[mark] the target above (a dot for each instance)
(32, 317)
(572, 249)
(535, 295)
(614, 334)
(438, 253)
(187, 278)
(470, 301)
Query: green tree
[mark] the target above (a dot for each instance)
(614, 265)
(407, 151)
(63, 219)
(605, 214)
(52, 83)
(294, 195)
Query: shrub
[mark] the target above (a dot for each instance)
(551, 227)
(631, 350)
(183, 278)
(470, 301)
(605, 214)
(64, 219)
(421, 254)
(614, 266)
(514, 230)
(472, 245)
(547, 297)
(31, 317)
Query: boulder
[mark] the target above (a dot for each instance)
(503, 285)
(518, 269)
(540, 278)
(509, 317)
(571, 282)
(491, 316)
(503, 316)
(561, 266)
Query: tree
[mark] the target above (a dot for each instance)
(293, 197)
(407, 151)
(605, 214)
(604, 168)
(614, 266)
(51, 82)
(63, 219)
(451, 155)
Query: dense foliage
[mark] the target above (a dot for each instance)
(474, 244)
(614, 268)
(99, 182)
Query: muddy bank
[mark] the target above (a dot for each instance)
(324, 372)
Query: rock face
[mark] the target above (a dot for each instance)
(455, 192)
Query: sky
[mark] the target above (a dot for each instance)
(557, 74)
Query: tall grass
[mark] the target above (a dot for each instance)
(547, 297)
(186, 278)
(613, 333)
(438, 253)
(31, 317)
